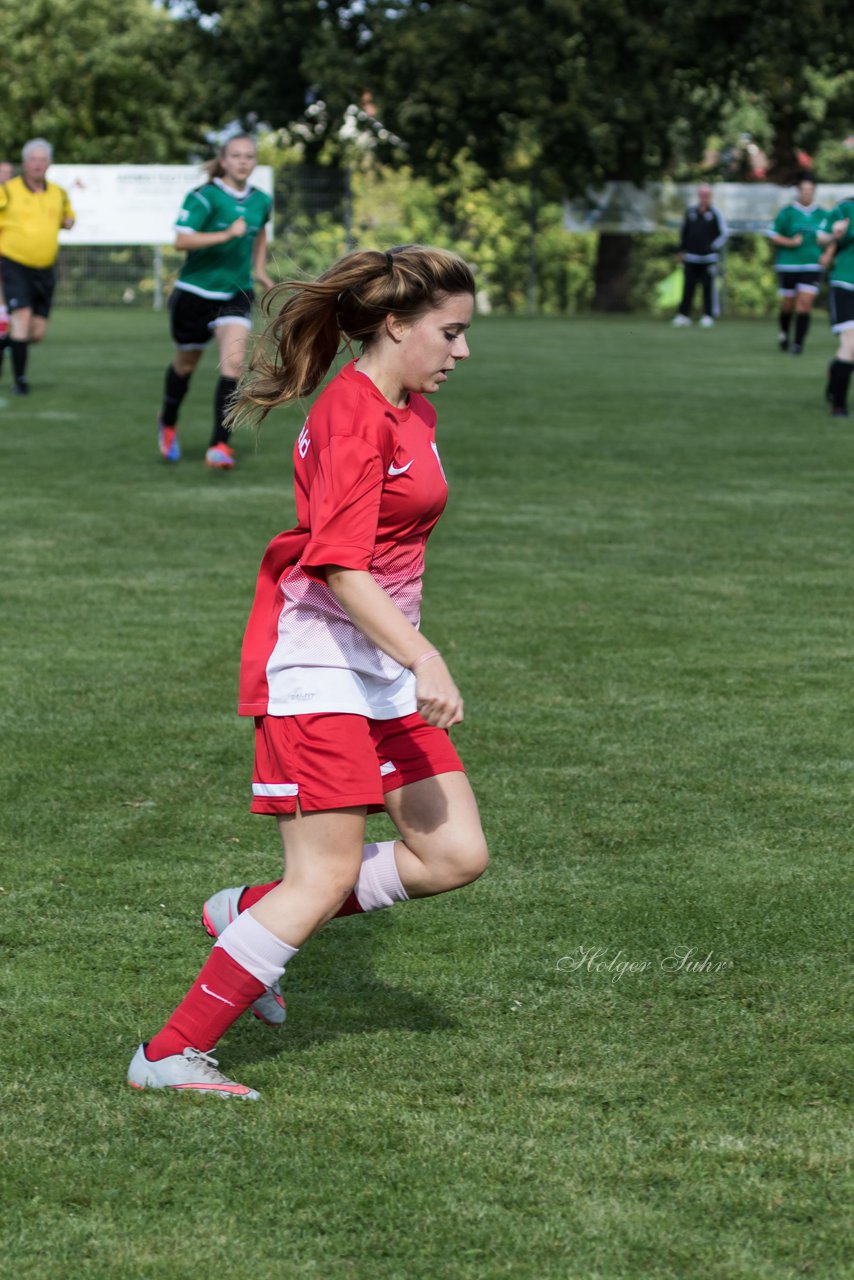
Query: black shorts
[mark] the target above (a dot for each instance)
(28, 287)
(841, 308)
(792, 282)
(192, 318)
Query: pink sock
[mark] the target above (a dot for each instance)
(379, 883)
(222, 991)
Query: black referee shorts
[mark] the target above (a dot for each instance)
(28, 287)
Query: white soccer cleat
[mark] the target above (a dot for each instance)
(681, 322)
(217, 913)
(191, 1071)
(707, 322)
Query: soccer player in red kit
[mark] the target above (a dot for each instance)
(352, 704)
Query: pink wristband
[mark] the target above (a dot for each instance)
(425, 657)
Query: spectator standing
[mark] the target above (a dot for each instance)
(798, 267)
(32, 213)
(704, 233)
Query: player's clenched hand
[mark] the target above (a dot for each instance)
(437, 697)
(237, 228)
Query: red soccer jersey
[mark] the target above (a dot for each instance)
(369, 490)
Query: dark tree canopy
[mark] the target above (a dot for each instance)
(593, 89)
(102, 81)
(573, 90)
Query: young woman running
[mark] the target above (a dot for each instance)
(352, 703)
(221, 226)
(794, 234)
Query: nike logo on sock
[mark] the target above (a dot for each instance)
(398, 471)
(208, 992)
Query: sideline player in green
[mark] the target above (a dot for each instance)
(839, 257)
(798, 266)
(221, 226)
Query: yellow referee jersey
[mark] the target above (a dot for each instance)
(30, 222)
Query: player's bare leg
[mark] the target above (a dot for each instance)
(442, 845)
(323, 854)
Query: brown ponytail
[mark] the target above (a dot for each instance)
(348, 303)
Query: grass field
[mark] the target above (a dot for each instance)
(621, 1054)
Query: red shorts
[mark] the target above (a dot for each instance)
(339, 761)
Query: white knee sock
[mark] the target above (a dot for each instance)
(379, 883)
(258, 950)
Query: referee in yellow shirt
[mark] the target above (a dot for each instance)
(32, 212)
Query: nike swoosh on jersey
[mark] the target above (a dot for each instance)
(208, 992)
(398, 471)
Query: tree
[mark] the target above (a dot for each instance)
(557, 95)
(569, 93)
(273, 59)
(101, 81)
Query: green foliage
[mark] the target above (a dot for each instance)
(571, 89)
(103, 82)
(486, 220)
(750, 282)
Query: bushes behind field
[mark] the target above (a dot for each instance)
(747, 281)
(523, 257)
(491, 224)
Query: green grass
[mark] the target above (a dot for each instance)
(643, 583)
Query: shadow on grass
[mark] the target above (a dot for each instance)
(333, 992)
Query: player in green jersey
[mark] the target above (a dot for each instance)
(838, 256)
(798, 267)
(222, 228)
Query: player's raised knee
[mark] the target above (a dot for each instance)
(467, 862)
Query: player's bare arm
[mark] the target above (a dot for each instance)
(259, 260)
(376, 615)
(187, 240)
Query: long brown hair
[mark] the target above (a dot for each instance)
(348, 303)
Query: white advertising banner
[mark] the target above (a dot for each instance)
(747, 206)
(132, 203)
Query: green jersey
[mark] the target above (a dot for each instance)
(221, 270)
(842, 271)
(799, 220)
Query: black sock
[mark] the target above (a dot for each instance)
(4, 342)
(19, 357)
(225, 389)
(840, 376)
(785, 322)
(174, 390)
(802, 324)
